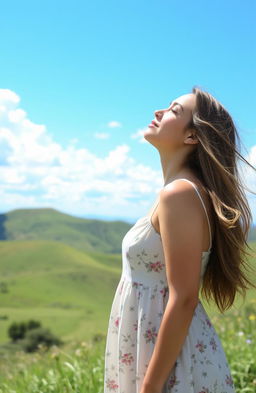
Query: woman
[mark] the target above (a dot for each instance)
(160, 338)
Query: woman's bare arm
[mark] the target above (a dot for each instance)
(180, 218)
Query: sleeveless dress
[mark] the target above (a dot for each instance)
(135, 317)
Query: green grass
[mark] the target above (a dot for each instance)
(71, 291)
(67, 289)
(79, 367)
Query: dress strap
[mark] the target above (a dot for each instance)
(198, 193)
(153, 210)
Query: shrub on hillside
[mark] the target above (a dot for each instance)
(4, 287)
(98, 337)
(17, 330)
(37, 336)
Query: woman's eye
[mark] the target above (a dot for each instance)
(174, 111)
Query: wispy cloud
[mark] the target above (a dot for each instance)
(101, 135)
(114, 124)
(140, 135)
(36, 171)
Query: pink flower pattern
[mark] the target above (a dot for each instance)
(138, 307)
(201, 346)
(111, 385)
(150, 335)
(127, 358)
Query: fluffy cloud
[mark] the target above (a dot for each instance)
(35, 171)
(140, 135)
(114, 124)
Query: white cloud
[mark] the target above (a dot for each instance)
(101, 135)
(8, 97)
(140, 135)
(114, 124)
(15, 116)
(35, 171)
(248, 177)
(73, 141)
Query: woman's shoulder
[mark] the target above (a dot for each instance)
(179, 186)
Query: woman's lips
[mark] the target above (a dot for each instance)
(152, 124)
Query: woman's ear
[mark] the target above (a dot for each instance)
(192, 138)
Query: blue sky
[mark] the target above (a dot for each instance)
(80, 81)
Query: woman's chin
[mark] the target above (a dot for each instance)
(149, 131)
(148, 135)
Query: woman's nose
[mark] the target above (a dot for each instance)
(158, 114)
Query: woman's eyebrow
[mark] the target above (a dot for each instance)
(177, 103)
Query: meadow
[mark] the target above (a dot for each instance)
(70, 290)
(79, 368)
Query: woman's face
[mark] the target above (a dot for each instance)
(169, 131)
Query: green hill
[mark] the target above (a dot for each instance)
(50, 224)
(66, 289)
(59, 269)
(252, 234)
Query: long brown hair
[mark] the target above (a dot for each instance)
(214, 160)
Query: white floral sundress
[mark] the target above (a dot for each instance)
(136, 313)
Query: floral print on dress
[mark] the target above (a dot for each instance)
(137, 310)
(150, 335)
(201, 346)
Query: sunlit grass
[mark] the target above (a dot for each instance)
(79, 368)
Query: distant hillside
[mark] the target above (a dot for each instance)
(50, 224)
(252, 234)
(66, 289)
(90, 235)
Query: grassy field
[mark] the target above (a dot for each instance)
(70, 292)
(79, 367)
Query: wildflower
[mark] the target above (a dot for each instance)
(240, 333)
(252, 317)
(78, 352)
(249, 341)
(85, 345)
(55, 352)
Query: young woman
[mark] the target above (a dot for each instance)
(160, 338)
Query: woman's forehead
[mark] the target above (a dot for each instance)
(188, 101)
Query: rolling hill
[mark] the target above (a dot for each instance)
(61, 270)
(50, 224)
(66, 289)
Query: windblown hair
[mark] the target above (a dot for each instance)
(214, 160)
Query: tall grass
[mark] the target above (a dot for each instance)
(79, 368)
